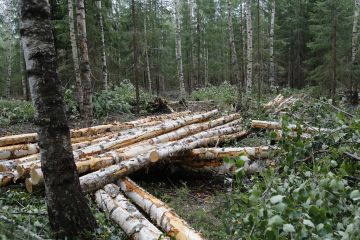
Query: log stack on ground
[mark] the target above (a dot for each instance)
(108, 153)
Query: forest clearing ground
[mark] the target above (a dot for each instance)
(204, 200)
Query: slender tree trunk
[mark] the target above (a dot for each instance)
(84, 62)
(198, 30)
(68, 212)
(333, 52)
(192, 54)
(105, 79)
(23, 75)
(148, 72)
(249, 47)
(242, 62)
(9, 70)
(234, 61)
(258, 60)
(178, 50)
(75, 56)
(206, 66)
(271, 40)
(135, 55)
(354, 98)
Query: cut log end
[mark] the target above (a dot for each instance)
(154, 156)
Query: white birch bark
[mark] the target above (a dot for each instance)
(249, 54)
(23, 77)
(103, 52)
(125, 214)
(271, 40)
(178, 50)
(159, 212)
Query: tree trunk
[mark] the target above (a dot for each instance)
(68, 212)
(148, 72)
(271, 40)
(192, 54)
(249, 47)
(234, 60)
(159, 212)
(75, 57)
(103, 53)
(333, 51)
(84, 62)
(206, 67)
(9, 70)
(258, 60)
(135, 55)
(125, 214)
(178, 50)
(354, 98)
(24, 83)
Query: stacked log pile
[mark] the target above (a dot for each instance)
(107, 154)
(278, 104)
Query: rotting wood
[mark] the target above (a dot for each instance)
(125, 214)
(159, 212)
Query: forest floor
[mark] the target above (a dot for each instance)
(211, 203)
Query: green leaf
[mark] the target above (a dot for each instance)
(308, 223)
(276, 199)
(355, 195)
(275, 220)
(288, 228)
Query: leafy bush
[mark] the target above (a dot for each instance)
(223, 95)
(313, 193)
(15, 111)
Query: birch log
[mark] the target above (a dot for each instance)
(274, 103)
(292, 127)
(271, 40)
(221, 153)
(6, 178)
(159, 212)
(83, 132)
(98, 179)
(125, 214)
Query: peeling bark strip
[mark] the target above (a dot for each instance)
(159, 212)
(68, 212)
(125, 214)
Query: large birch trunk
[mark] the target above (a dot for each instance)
(68, 212)
(292, 127)
(178, 50)
(75, 56)
(249, 57)
(84, 62)
(125, 214)
(192, 53)
(271, 40)
(103, 52)
(159, 212)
